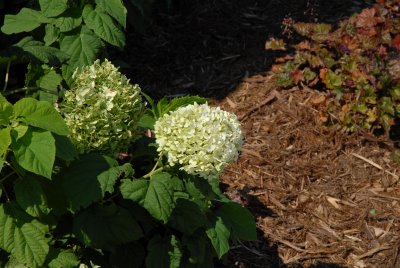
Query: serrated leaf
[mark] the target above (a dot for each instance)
(25, 21)
(102, 24)
(36, 152)
(135, 190)
(5, 140)
(239, 219)
(70, 20)
(108, 178)
(51, 34)
(14, 263)
(219, 235)
(156, 195)
(6, 111)
(65, 149)
(106, 227)
(83, 49)
(50, 81)
(30, 196)
(81, 181)
(187, 216)
(40, 114)
(115, 8)
(23, 236)
(35, 50)
(164, 252)
(63, 258)
(53, 8)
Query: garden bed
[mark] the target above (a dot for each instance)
(319, 195)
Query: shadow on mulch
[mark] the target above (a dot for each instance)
(206, 47)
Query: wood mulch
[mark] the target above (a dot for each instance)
(324, 198)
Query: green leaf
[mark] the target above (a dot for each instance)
(6, 111)
(30, 196)
(196, 244)
(147, 121)
(83, 49)
(163, 252)
(115, 8)
(156, 195)
(129, 255)
(64, 259)
(51, 34)
(108, 178)
(5, 140)
(219, 234)
(187, 216)
(239, 219)
(19, 131)
(53, 8)
(25, 21)
(70, 20)
(14, 263)
(35, 50)
(40, 114)
(184, 101)
(81, 181)
(36, 152)
(23, 236)
(106, 227)
(102, 24)
(135, 190)
(65, 149)
(50, 81)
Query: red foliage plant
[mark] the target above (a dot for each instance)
(355, 63)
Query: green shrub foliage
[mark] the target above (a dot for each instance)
(60, 208)
(356, 64)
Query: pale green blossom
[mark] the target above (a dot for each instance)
(201, 139)
(102, 109)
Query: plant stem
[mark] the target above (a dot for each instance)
(154, 171)
(7, 176)
(6, 78)
(20, 90)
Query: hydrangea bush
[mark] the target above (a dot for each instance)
(201, 139)
(82, 208)
(102, 109)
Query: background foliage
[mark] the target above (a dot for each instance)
(356, 64)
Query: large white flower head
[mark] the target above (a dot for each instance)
(102, 109)
(201, 139)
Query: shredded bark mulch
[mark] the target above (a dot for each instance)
(324, 198)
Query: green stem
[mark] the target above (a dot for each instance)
(6, 78)
(20, 90)
(154, 171)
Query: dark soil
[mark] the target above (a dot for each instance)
(321, 198)
(207, 47)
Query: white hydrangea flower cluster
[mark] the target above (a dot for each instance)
(102, 109)
(201, 139)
